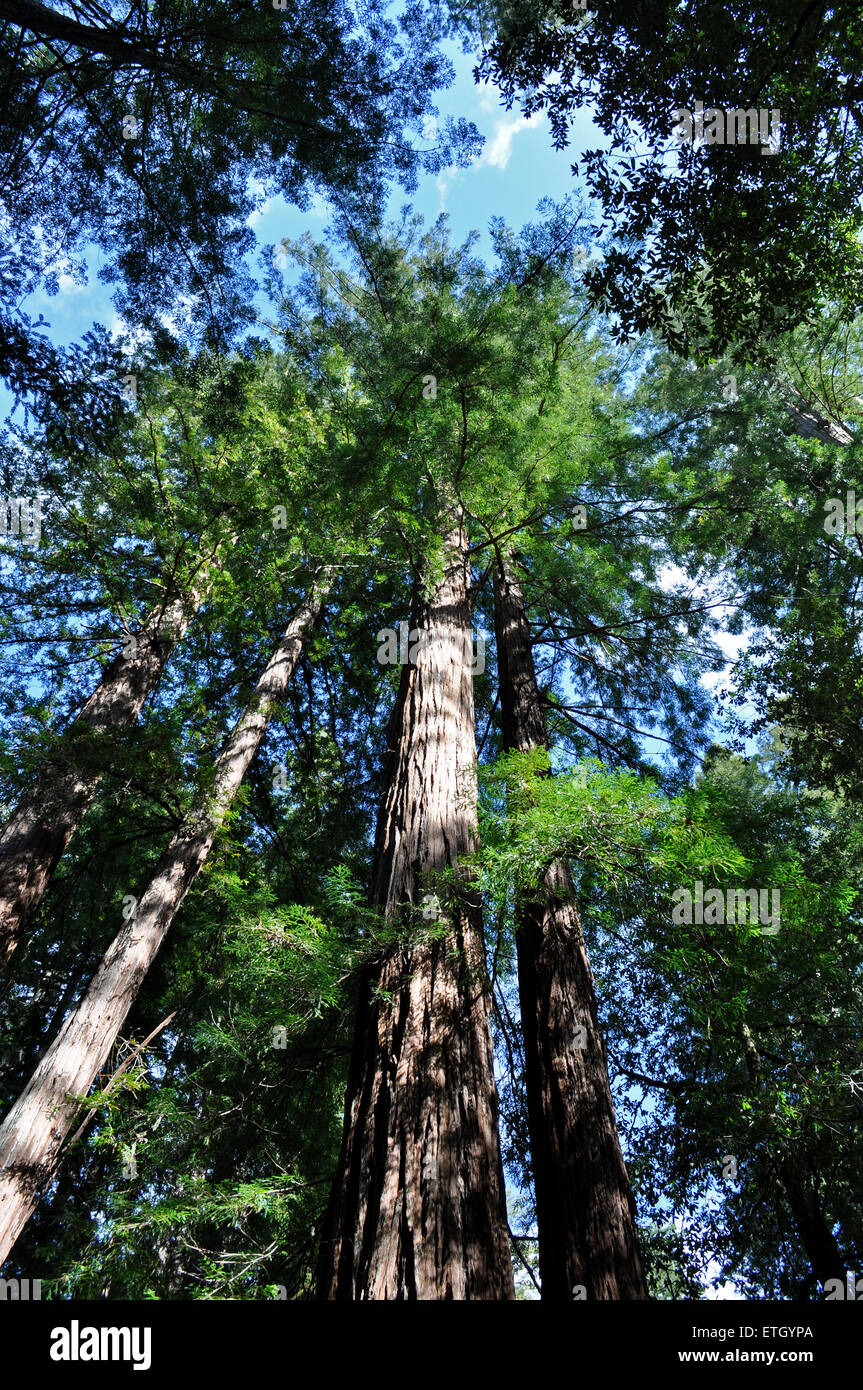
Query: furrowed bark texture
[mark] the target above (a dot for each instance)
(34, 838)
(417, 1209)
(35, 1128)
(584, 1204)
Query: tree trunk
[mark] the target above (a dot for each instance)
(34, 838)
(37, 1124)
(417, 1209)
(584, 1205)
(113, 44)
(816, 1237)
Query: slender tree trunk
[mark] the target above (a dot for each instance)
(34, 838)
(584, 1205)
(417, 1209)
(35, 1128)
(816, 1237)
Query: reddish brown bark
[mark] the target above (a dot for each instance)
(34, 1130)
(417, 1209)
(36, 835)
(584, 1205)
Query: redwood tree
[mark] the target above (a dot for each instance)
(34, 838)
(169, 502)
(584, 1205)
(33, 1132)
(417, 1209)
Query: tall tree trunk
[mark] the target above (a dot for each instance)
(417, 1209)
(37, 1124)
(34, 838)
(584, 1205)
(816, 1236)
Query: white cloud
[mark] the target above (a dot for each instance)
(443, 183)
(720, 1293)
(498, 148)
(259, 212)
(68, 285)
(488, 97)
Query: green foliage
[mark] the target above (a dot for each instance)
(721, 1039)
(775, 235)
(153, 134)
(615, 826)
(721, 1043)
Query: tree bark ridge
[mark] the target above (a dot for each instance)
(417, 1209)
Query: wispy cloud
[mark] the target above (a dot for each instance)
(70, 284)
(498, 147)
(497, 150)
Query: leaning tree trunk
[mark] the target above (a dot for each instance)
(34, 838)
(33, 1132)
(584, 1205)
(417, 1209)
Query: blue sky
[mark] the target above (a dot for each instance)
(517, 167)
